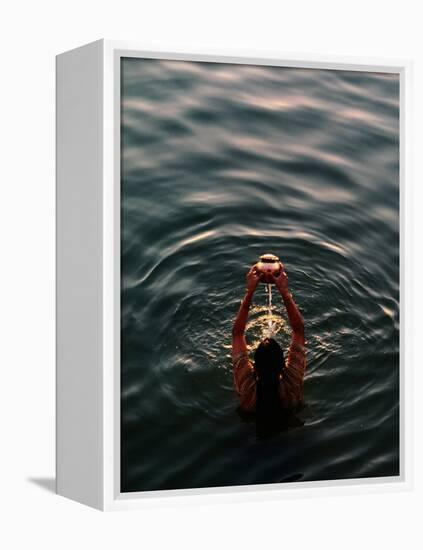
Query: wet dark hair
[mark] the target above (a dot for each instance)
(269, 363)
(269, 360)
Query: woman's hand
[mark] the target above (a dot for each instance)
(253, 278)
(281, 281)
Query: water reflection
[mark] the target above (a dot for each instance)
(221, 163)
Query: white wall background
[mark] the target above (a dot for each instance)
(31, 33)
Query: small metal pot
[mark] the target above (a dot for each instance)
(268, 265)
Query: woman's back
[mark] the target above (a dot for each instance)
(289, 389)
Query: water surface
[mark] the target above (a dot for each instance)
(220, 164)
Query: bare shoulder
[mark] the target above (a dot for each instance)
(296, 354)
(293, 375)
(242, 366)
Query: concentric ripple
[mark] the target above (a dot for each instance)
(220, 164)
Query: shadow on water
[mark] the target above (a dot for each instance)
(267, 428)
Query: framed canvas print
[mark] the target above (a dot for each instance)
(231, 276)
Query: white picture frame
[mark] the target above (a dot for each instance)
(88, 279)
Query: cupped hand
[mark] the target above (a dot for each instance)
(281, 280)
(253, 278)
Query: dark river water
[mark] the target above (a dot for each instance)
(220, 164)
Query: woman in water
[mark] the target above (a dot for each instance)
(270, 387)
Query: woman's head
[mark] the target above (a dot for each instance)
(268, 360)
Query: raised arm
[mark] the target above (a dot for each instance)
(239, 343)
(294, 315)
(293, 377)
